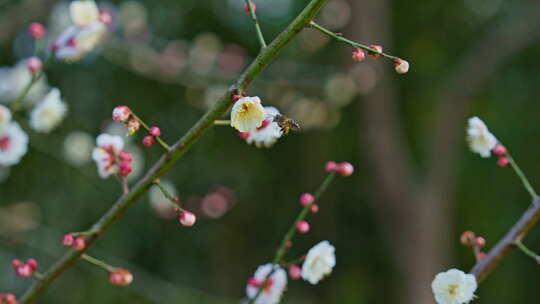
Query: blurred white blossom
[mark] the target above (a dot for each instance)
(49, 113)
(13, 81)
(13, 144)
(454, 287)
(5, 117)
(273, 289)
(83, 13)
(480, 139)
(319, 262)
(268, 133)
(108, 148)
(78, 148)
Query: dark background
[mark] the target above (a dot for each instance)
(395, 223)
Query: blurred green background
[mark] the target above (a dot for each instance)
(395, 223)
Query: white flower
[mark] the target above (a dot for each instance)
(274, 287)
(106, 153)
(268, 133)
(13, 144)
(83, 13)
(49, 113)
(480, 139)
(75, 42)
(78, 148)
(247, 114)
(453, 287)
(5, 117)
(319, 262)
(13, 81)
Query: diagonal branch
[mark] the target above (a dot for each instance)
(177, 151)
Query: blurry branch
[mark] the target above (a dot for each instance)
(482, 269)
(176, 152)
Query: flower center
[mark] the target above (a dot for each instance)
(453, 289)
(5, 143)
(245, 108)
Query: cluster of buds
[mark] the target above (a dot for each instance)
(502, 153)
(401, 66)
(121, 277)
(78, 243)
(344, 169)
(8, 298)
(185, 217)
(150, 139)
(469, 239)
(123, 114)
(24, 270)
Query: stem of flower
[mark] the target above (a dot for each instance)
(160, 141)
(258, 30)
(522, 177)
(222, 123)
(349, 42)
(527, 251)
(98, 263)
(15, 105)
(168, 195)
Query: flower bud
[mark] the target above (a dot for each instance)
(345, 169)
(378, 51)
(7, 298)
(125, 156)
(16, 263)
(314, 208)
(68, 239)
(253, 6)
(302, 227)
(295, 272)
(23, 271)
(500, 150)
(155, 131)
(482, 255)
(358, 55)
(187, 218)
(120, 277)
(79, 243)
(125, 169)
(32, 263)
(121, 114)
(148, 141)
(306, 199)
(133, 126)
(34, 64)
(401, 66)
(480, 242)
(503, 162)
(288, 244)
(468, 238)
(236, 97)
(105, 17)
(331, 166)
(36, 30)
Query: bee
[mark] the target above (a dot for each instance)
(286, 123)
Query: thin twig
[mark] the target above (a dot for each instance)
(258, 30)
(177, 151)
(522, 177)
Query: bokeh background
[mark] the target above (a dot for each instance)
(395, 223)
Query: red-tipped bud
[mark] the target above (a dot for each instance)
(24, 271)
(154, 131)
(302, 227)
(468, 238)
(68, 239)
(105, 17)
(148, 141)
(236, 97)
(36, 30)
(500, 150)
(331, 166)
(246, 8)
(7, 298)
(306, 199)
(358, 55)
(295, 272)
(480, 242)
(125, 169)
(345, 169)
(125, 156)
(121, 114)
(314, 208)
(289, 244)
(378, 50)
(16, 263)
(244, 135)
(34, 64)
(401, 66)
(503, 162)
(187, 218)
(32, 263)
(79, 243)
(482, 255)
(120, 277)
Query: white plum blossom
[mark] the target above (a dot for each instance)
(273, 289)
(454, 287)
(49, 113)
(5, 117)
(105, 154)
(267, 134)
(83, 13)
(480, 139)
(13, 144)
(78, 148)
(13, 81)
(247, 114)
(319, 262)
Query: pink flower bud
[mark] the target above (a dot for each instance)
(105, 17)
(345, 169)
(480, 242)
(378, 51)
(125, 169)
(36, 30)
(16, 263)
(314, 208)
(68, 239)
(358, 55)
(148, 141)
(236, 97)
(500, 150)
(155, 131)
(187, 218)
(32, 263)
(244, 135)
(302, 227)
(120, 277)
(23, 271)
(246, 8)
(34, 64)
(289, 244)
(295, 272)
(133, 126)
(401, 66)
(7, 298)
(79, 243)
(482, 255)
(125, 156)
(331, 166)
(306, 199)
(468, 238)
(121, 113)
(503, 162)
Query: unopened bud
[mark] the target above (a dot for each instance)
(331, 166)
(121, 113)
(120, 277)
(345, 169)
(500, 150)
(480, 242)
(148, 141)
(468, 238)
(154, 131)
(32, 263)
(187, 218)
(306, 199)
(401, 66)
(36, 30)
(295, 272)
(377, 51)
(79, 243)
(34, 64)
(302, 227)
(358, 55)
(503, 162)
